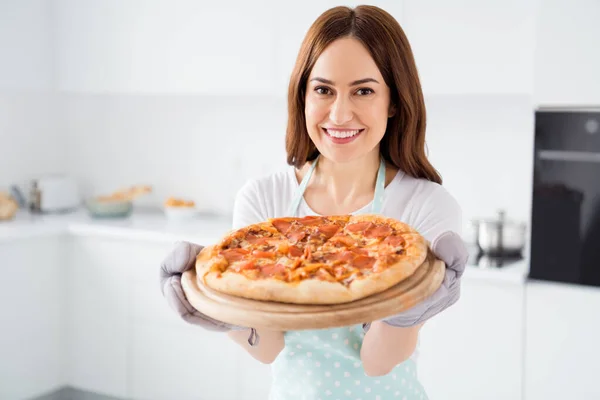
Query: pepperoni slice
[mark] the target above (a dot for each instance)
(281, 225)
(364, 262)
(360, 251)
(232, 255)
(272, 269)
(256, 240)
(394, 240)
(328, 230)
(342, 256)
(245, 266)
(263, 254)
(343, 241)
(311, 220)
(358, 227)
(296, 236)
(378, 231)
(295, 251)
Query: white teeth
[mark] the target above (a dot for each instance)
(342, 134)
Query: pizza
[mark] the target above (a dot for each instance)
(314, 259)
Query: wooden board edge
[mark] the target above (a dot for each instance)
(285, 321)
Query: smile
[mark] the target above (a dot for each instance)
(342, 136)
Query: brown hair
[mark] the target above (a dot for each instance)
(403, 144)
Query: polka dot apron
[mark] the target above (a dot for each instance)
(325, 363)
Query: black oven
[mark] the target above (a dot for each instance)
(565, 215)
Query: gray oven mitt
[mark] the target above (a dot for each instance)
(179, 260)
(450, 248)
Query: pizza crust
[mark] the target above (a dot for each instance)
(302, 292)
(209, 257)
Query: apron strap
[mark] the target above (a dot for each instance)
(377, 204)
(300, 191)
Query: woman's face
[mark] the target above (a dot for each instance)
(347, 103)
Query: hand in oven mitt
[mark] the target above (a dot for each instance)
(180, 259)
(449, 248)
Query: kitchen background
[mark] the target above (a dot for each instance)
(190, 98)
(117, 93)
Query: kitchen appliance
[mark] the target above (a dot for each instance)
(498, 242)
(54, 194)
(565, 217)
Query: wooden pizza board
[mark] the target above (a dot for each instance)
(285, 316)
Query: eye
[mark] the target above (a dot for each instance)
(322, 90)
(364, 91)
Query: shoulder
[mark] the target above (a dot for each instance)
(262, 197)
(427, 206)
(268, 185)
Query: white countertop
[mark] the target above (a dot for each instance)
(141, 225)
(153, 226)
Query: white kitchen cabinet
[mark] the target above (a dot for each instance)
(473, 350)
(169, 358)
(180, 46)
(472, 46)
(183, 362)
(292, 22)
(173, 359)
(254, 377)
(97, 327)
(31, 317)
(567, 59)
(26, 47)
(561, 342)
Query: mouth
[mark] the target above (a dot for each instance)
(341, 136)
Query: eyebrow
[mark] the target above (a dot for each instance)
(357, 82)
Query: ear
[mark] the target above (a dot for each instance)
(392, 110)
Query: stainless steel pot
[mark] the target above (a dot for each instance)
(500, 237)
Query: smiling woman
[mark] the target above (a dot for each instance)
(355, 144)
(357, 63)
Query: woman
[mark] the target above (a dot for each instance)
(355, 144)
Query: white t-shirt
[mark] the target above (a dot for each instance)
(424, 205)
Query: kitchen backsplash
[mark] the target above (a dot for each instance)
(204, 148)
(31, 141)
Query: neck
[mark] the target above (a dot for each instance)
(345, 181)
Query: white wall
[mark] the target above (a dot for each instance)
(197, 146)
(483, 148)
(204, 146)
(566, 53)
(30, 137)
(31, 142)
(26, 45)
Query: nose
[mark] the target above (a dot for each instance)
(341, 111)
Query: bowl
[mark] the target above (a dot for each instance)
(109, 209)
(181, 213)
